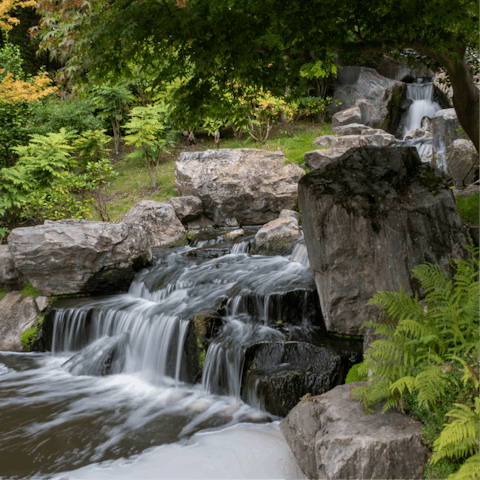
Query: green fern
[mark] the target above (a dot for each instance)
(421, 341)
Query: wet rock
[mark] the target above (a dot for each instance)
(369, 218)
(369, 91)
(277, 237)
(159, 218)
(400, 70)
(238, 186)
(42, 303)
(11, 278)
(351, 129)
(351, 115)
(278, 374)
(207, 253)
(414, 134)
(321, 158)
(201, 223)
(462, 162)
(290, 214)
(105, 356)
(297, 305)
(235, 233)
(16, 315)
(352, 141)
(331, 437)
(78, 256)
(445, 128)
(187, 208)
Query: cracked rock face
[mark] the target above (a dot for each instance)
(331, 437)
(238, 186)
(11, 278)
(78, 256)
(369, 218)
(160, 218)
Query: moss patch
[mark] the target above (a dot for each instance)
(2, 294)
(29, 291)
(354, 376)
(468, 208)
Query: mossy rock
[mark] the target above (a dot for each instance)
(279, 247)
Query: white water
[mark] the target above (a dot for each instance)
(422, 106)
(144, 420)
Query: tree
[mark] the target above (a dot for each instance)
(265, 44)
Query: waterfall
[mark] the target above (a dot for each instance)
(422, 106)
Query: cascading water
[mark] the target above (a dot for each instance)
(421, 93)
(57, 415)
(423, 105)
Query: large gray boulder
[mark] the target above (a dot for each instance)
(78, 256)
(331, 437)
(352, 129)
(277, 237)
(445, 128)
(11, 278)
(366, 89)
(399, 70)
(187, 208)
(238, 186)
(160, 218)
(320, 158)
(352, 141)
(462, 161)
(349, 116)
(16, 315)
(369, 218)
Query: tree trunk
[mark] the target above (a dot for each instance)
(465, 92)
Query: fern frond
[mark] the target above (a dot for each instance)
(402, 384)
(469, 470)
(460, 437)
(431, 384)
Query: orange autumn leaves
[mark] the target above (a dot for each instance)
(12, 90)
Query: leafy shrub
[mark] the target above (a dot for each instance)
(77, 115)
(426, 344)
(468, 208)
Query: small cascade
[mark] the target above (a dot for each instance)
(155, 341)
(422, 95)
(299, 253)
(222, 373)
(241, 247)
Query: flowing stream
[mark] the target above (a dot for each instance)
(118, 397)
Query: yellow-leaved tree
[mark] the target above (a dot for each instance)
(7, 22)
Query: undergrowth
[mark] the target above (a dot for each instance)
(427, 363)
(468, 208)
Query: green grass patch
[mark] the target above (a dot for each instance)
(29, 291)
(2, 294)
(468, 208)
(133, 183)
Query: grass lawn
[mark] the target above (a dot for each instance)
(133, 183)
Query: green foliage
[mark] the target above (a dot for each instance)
(29, 336)
(77, 115)
(11, 61)
(354, 376)
(2, 294)
(468, 208)
(148, 130)
(29, 291)
(112, 100)
(58, 175)
(423, 344)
